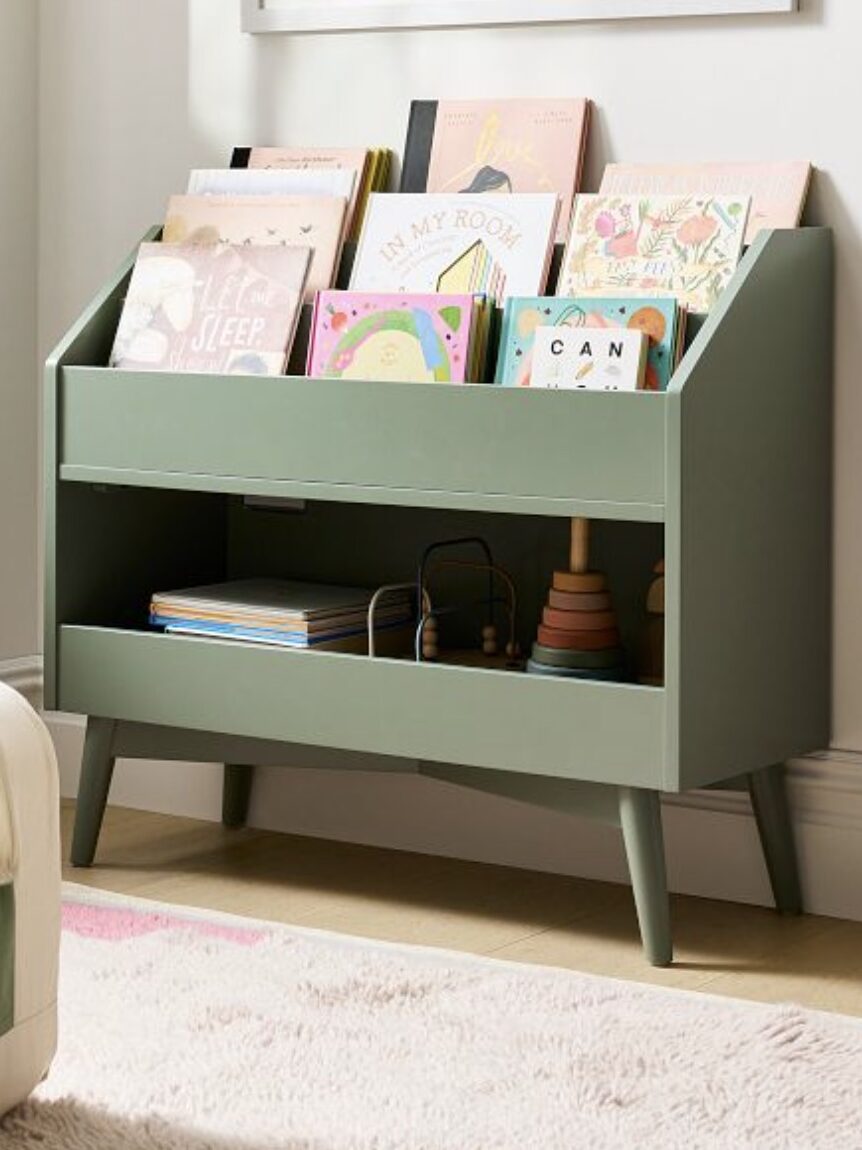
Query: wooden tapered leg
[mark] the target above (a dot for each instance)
(640, 819)
(236, 793)
(97, 769)
(771, 812)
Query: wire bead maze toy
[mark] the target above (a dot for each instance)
(427, 646)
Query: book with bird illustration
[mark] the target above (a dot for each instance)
(315, 222)
(686, 246)
(371, 167)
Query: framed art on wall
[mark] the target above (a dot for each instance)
(346, 15)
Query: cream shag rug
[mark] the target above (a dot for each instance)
(189, 1031)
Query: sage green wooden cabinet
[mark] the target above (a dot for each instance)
(727, 475)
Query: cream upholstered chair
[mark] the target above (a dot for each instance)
(29, 898)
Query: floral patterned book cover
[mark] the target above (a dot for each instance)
(509, 145)
(686, 246)
(216, 309)
(457, 244)
(658, 318)
(315, 222)
(777, 189)
(404, 338)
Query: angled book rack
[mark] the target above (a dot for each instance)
(727, 475)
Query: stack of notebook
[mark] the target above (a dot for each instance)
(283, 613)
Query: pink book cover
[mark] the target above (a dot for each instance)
(352, 159)
(510, 146)
(401, 337)
(777, 189)
(315, 222)
(220, 309)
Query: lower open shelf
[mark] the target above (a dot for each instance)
(603, 732)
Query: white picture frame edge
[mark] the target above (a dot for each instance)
(352, 15)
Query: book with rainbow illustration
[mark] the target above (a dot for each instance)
(662, 319)
(686, 246)
(315, 222)
(430, 338)
(221, 309)
(493, 245)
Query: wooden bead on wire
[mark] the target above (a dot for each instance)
(489, 639)
(430, 639)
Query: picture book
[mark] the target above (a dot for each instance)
(777, 190)
(684, 246)
(262, 601)
(410, 338)
(272, 182)
(658, 317)
(507, 145)
(218, 309)
(458, 244)
(371, 167)
(315, 222)
(281, 612)
(595, 359)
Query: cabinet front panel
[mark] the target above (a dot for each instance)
(469, 446)
(602, 732)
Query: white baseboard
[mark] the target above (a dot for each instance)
(25, 675)
(712, 845)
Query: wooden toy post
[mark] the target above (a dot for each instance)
(578, 636)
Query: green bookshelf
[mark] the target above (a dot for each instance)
(727, 475)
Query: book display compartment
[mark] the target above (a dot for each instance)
(727, 476)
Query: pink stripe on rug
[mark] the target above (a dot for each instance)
(116, 924)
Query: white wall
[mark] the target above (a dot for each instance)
(117, 80)
(113, 140)
(19, 380)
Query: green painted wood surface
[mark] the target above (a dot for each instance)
(749, 519)
(565, 796)
(490, 448)
(599, 732)
(87, 341)
(150, 741)
(640, 819)
(97, 770)
(7, 958)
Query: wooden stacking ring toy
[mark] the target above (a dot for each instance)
(578, 640)
(580, 582)
(578, 620)
(577, 660)
(572, 601)
(609, 674)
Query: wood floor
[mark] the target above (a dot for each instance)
(721, 948)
